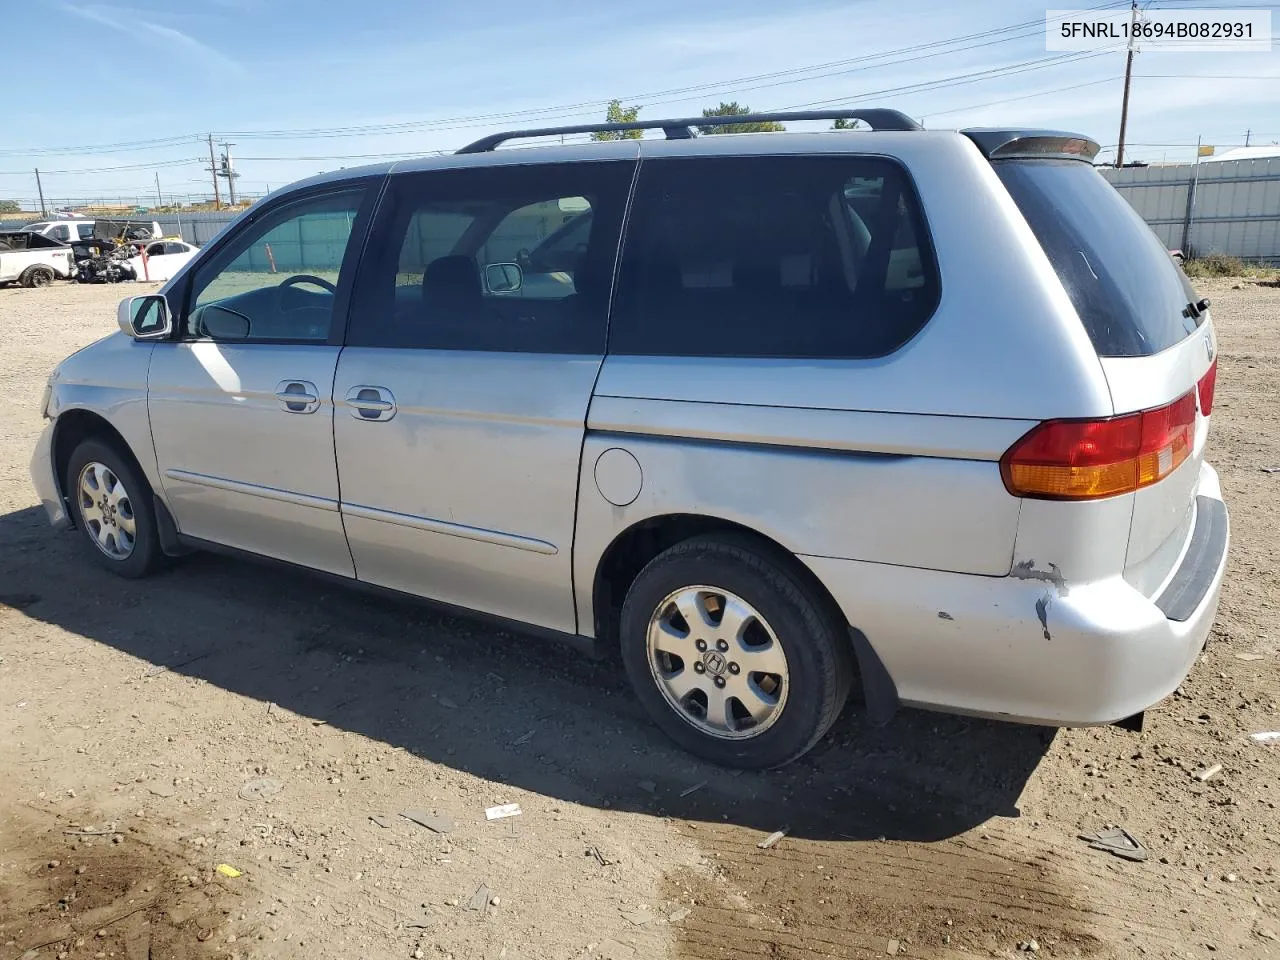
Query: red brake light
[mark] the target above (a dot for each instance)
(1088, 459)
(1205, 388)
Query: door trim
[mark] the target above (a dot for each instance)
(449, 529)
(590, 646)
(253, 490)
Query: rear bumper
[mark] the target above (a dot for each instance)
(46, 484)
(1035, 651)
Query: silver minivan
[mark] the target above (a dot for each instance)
(772, 415)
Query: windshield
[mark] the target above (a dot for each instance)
(564, 248)
(1129, 293)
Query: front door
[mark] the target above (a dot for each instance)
(240, 401)
(462, 394)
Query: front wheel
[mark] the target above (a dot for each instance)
(732, 654)
(111, 506)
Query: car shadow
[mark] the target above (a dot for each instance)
(518, 710)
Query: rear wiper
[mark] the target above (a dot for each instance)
(1193, 310)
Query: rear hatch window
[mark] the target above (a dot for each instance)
(1129, 293)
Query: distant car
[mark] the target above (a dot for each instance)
(69, 231)
(64, 230)
(163, 259)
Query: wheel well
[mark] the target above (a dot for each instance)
(632, 549)
(76, 426)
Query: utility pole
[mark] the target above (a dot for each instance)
(213, 169)
(1248, 133)
(40, 190)
(229, 171)
(159, 199)
(1128, 78)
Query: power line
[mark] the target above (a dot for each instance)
(1028, 96)
(959, 79)
(1201, 76)
(760, 81)
(121, 147)
(735, 86)
(127, 166)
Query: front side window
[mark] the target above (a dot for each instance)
(773, 257)
(454, 262)
(277, 280)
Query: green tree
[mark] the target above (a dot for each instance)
(734, 110)
(10, 206)
(843, 124)
(617, 113)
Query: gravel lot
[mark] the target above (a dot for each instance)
(225, 713)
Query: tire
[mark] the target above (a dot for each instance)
(792, 709)
(113, 509)
(37, 276)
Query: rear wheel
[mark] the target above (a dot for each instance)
(111, 505)
(37, 276)
(732, 654)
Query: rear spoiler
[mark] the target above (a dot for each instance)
(1032, 144)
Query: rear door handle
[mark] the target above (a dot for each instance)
(298, 396)
(371, 403)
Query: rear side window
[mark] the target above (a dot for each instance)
(773, 257)
(1126, 288)
(513, 258)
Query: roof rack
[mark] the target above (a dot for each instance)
(877, 119)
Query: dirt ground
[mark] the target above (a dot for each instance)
(228, 714)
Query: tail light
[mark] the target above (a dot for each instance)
(1088, 459)
(1205, 389)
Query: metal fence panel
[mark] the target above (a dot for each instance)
(1230, 207)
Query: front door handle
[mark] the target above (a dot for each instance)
(371, 403)
(298, 396)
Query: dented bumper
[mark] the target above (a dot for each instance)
(1036, 649)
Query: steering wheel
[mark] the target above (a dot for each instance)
(301, 313)
(308, 278)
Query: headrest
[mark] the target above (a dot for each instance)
(452, 276)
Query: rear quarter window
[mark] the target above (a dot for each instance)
(1129, 293)
(773, 257)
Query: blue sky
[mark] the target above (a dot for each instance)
(263, 72)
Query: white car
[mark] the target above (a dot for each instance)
(163, 259)
(69, 231)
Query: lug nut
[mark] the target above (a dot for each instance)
(719, 681)
(701, 645)
(734, 668)
(699, 668)
(722, 646)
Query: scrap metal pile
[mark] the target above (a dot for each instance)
(104, 258)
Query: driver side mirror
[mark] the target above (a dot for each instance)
(503, 277)
(145, 318)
